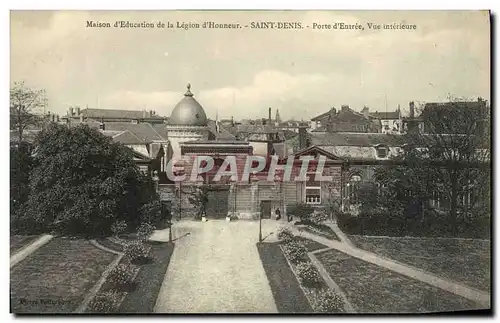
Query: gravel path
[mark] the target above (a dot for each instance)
(215, 269)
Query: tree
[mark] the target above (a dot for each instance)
(20, 169)
(199, 198)
(23, 105)
(83, 182)
(449, 160)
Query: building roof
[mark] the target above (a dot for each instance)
(356, 139)
(144, 131)
(223, 133)
(98, 114)
(188, 112)
(385, 115)
(127, 138)
(324, 115)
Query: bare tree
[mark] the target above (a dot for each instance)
(24, 103)
(456, 141)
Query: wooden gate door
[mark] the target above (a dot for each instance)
(218, 200)
(265, 207)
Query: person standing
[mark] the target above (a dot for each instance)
(278, 214)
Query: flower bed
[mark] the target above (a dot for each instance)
(320, 297)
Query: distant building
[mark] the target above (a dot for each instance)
(391, 122)
(345, 120)
(75, 115)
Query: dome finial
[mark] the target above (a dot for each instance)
(188, 92)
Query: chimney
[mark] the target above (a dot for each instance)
(77, 111)
(57, 118)
(302, 135)
(269, 117)
(151, 113)
(71, 111)
(366, 112)
(412, 109)
(232, 121)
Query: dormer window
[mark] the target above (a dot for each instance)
(382, 151)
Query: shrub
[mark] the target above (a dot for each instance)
(308, 274)
(295, 251)
(118, 227)
(121, 275)
(301, 210)
(318, 217)
(285, 235)
(330, 302)
(106, 302)
(145, 230)
(136, 251)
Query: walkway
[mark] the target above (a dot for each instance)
(215, 268)
(458, 289)
(29, 249)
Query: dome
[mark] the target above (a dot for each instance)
(188, 112)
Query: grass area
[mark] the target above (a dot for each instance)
(321, 230)
(148, 280)
(288, 295)
(311, 245)
(462, 260)
(56, 277)
(373, 289)
(18, 242)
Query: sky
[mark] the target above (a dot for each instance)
(243, 72)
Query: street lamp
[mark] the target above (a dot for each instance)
(255, 183)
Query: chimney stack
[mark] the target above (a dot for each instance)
(151, 113)
(269, 117)
(412, 109)
(77, 111)
(70, 111)
(366, 112)
(302, 135)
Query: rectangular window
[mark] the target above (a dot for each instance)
(313, 189)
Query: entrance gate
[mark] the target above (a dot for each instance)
(218, 200)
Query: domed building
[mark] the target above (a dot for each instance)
(187, 122)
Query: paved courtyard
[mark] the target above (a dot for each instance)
(216, 268)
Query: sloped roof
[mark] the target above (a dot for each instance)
(117, 114)
(223, 132)
(127, 138)
(144, 131)
(385, 115)
(356, 139)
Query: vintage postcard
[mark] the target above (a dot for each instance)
(250, 162)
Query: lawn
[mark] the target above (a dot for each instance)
(149, 280)
(18, 242)
(288, 295)
(311, 245)
(56, 277)
(373, 289)
(462, 260)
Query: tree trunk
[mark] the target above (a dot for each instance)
(453, 204)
